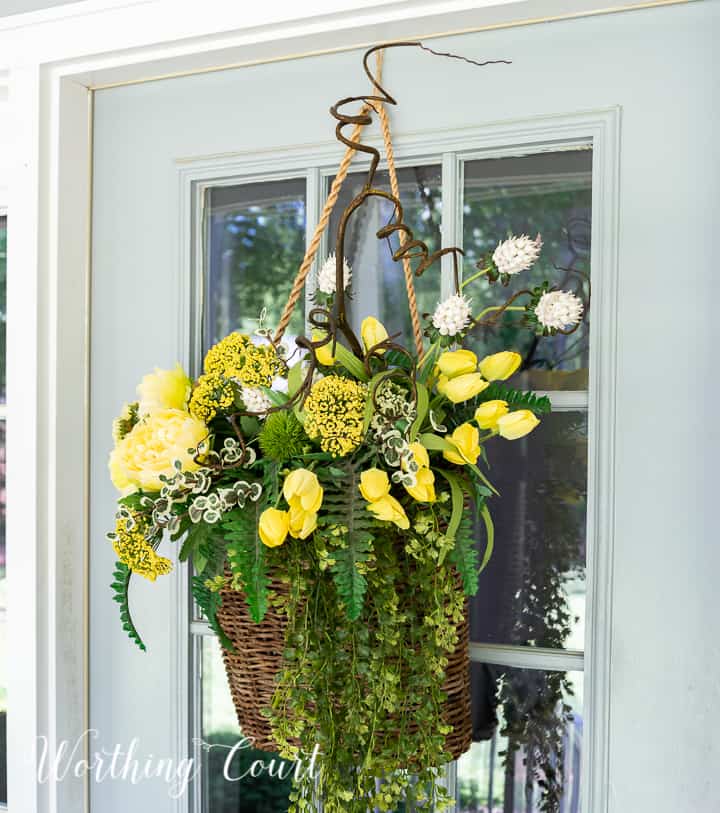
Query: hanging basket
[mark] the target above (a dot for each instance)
(257, 658)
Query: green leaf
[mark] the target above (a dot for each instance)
(295, 378)
(350, 583)
(210, 602)
(458, 502)
(276, 398)
(490, 529)
(120, 586)
(436, 444)
(484, 479)
(247, 557)
(516, 398)
(423, 402)
(428, 361)
(350, 362)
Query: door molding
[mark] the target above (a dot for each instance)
(601, 128)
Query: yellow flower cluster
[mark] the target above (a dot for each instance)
(133, 550)
(334, 412)
(238, 358)
(304, 495)
(375, 488)
(213, 393)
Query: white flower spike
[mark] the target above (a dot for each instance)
(559, 310)
(516, 254)
(327, 274)
(452, 316)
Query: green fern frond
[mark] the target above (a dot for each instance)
(120, 585)
(516, 398)
(246, 557)
(209, 602)
(465, 556)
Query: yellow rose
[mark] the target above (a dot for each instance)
(323, 354)
(152, 447)
(372, 332)
(374, 484)
(517, 424)
(424, 488)
(487, 414)
(500, 366)
(466, 440)
(463, 387)
(457, 362)
(164, 389)
(302, 523)
(302, 489)
(388, 509)
(274, 526)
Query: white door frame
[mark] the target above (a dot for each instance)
(51, 73)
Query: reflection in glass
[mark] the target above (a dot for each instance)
(533, 589)
(549, 193)
(381, 289)
(262, 794)
(528, 732)
(255, 243)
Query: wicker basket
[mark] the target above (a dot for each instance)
(252, 667)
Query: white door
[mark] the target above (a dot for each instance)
(206, 189)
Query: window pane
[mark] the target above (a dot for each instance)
(528, 731)
(3, 303)
(548, 194)
(378, 283)
(533, 590)
(3, 580)
(255, 243)
(220, 729)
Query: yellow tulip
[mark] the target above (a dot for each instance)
(500, 366)
(457, 362)
(302, 523)
(323, 354)
(420, 454)
(463, 387)
(517, 424)
(374, 484)
(372, 332)
(424, 488)
(302, 489)
(273, 527)
(164, 389)
(487, 414)
(466, 440)
(388, 509)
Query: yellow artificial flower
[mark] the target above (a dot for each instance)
(420, 454)
(132, 549)
(302, 490)
(374, 484)
(457, 362)
(236, 357)
(302, 523)
(500, 366)
(488, 414)
(334, 412)
(388, 509)
(517, 424)
(164, 389)
(462, 387)
(466, 440)
(151, 449)
(273, 527)
(213, 393)
(424, 488)
(323, 354)
(372, 332)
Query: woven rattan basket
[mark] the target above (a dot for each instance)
(252, 667)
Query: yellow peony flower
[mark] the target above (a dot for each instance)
(388, 509)
(302, 490)
(374, 484)
(164, 389)
(273, 527)
(487, 414)
(323, 354)
(466, 440)
(500, 366)
(151, 449)
(457, 362)
(462, 387)
(372, 332)
(424, 488)
(302, 523)
(517, 424)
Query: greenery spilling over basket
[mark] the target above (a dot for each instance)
(346, 472)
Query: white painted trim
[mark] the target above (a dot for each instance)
(526, 657)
